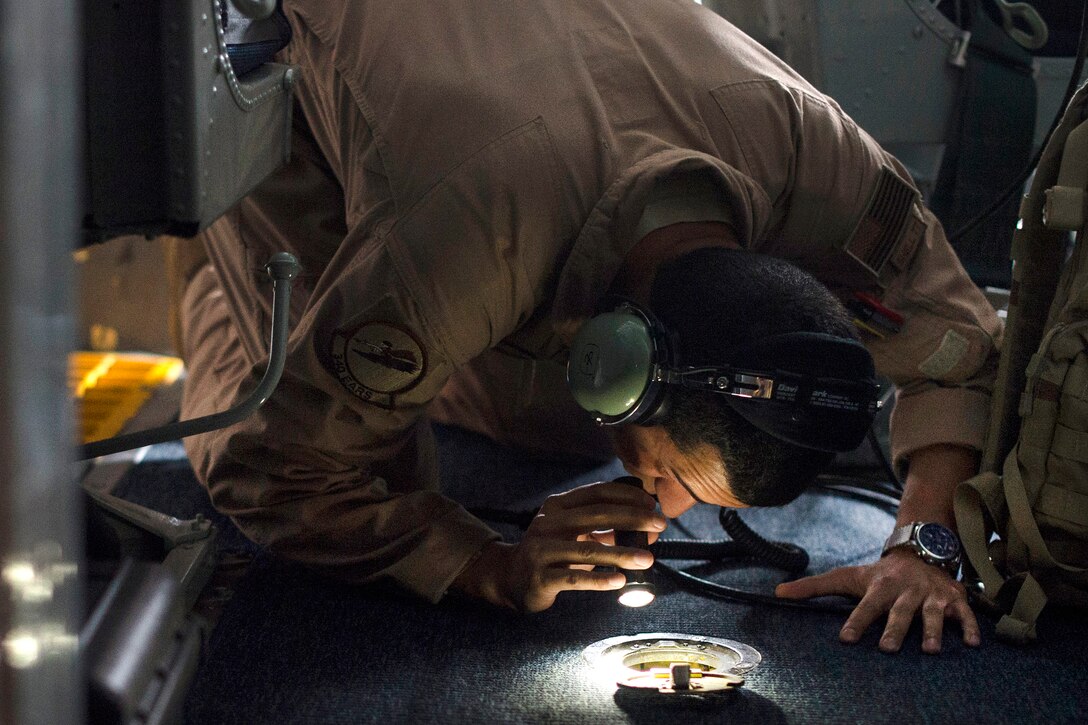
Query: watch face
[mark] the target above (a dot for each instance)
(938, 541)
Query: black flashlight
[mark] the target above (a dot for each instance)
(639, 590)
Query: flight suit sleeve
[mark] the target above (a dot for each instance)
(943, 358)
(337, 470)
(832, 183)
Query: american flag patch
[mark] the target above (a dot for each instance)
(888, 229)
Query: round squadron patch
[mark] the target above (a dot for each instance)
(377, 360)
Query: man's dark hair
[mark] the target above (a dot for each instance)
(713, 300)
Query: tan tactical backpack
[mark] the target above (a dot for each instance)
(1024, 519)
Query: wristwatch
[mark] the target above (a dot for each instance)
(933, 543)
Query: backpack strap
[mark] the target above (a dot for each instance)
(974, 499)
(1064, 210)
(1018, 626)
(1023, 518)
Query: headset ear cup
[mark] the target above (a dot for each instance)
(655, 405)
(610, 365)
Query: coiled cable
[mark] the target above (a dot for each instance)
(696, 549)
(778, 554)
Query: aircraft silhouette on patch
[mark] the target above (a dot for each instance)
(385, 355)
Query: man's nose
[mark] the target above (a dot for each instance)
(649, 482)
(674, 500)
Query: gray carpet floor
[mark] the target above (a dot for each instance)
(290, 647)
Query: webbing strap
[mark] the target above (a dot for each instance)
(1079, 298)
(974, 498)
(1018, 626)
(1071, 444)
(1065, 202)
(1022, 518)
(1063, 504)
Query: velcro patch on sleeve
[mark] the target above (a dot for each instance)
(912, 236)
(887, 230)
(947, 355)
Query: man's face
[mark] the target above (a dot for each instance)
(679, 480)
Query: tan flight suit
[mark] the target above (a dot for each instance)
(466, 182)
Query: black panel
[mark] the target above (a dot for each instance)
(126, 126)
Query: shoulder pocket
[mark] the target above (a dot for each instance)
(479, 248)
(762, 120)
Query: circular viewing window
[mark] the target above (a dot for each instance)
(627, 659)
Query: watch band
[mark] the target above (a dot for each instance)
(899, 536)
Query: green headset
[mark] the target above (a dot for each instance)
(811, 389)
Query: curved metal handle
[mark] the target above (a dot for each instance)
(1036, 36)
(282, 268)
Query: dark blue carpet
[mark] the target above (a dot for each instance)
(293, 648)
